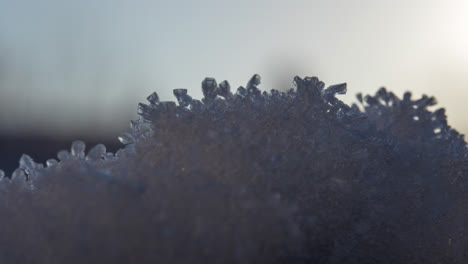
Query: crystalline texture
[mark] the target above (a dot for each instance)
(254, 81)
(291, 93)
(51, 162)
(78, 149)
(335, 89)
(252, 85)
(308, 83)
(18, 174)
(426, 101)
(439, 115)
(153, 99)
(135, 125)
(63, 155)
(144, 111)
(209, 90)
(309, 90)
(126, 138)
(383, 94)
(298, 82)
(311, 180)
(225, 89)
(241, 92)
(27, 164)
(142, 108)
(359, 97)
(183, 99)
(96, 153)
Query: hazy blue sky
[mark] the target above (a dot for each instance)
(69, 65)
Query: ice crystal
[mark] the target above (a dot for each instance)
(144, 111)
(135, 125)
(78, 149)
(96, 153)
(126, 138)
(18, 174)
(252, 85)
(153, 99)
(296, 176)
(27, 164)
(335, 89)
(63, 155)
(183, 99)
(209, 88)
(241, 92)
(225, 90)
(51, 162)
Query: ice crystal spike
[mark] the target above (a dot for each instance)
(78, 149)
(27, 164)
(145, 111)
(313, 81)
(126, 138)
(225, 89)
(63, 155)
(2, 175)
(153, 99)
(359, 97)
(209, 89)
(426, 101)
(298, 82)
(51, 162)
(252, 85)
(18, 174)
(241, 91)
(96, 153)
(142, 109)
(183, 98)
(179, 92)
(383, 94)
(309, 88)
(335, 89)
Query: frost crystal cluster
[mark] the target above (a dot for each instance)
(250, 177)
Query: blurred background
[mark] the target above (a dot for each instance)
(77, 69)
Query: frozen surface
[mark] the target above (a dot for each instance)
(250, 177)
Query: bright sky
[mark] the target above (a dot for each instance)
(68, 65)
